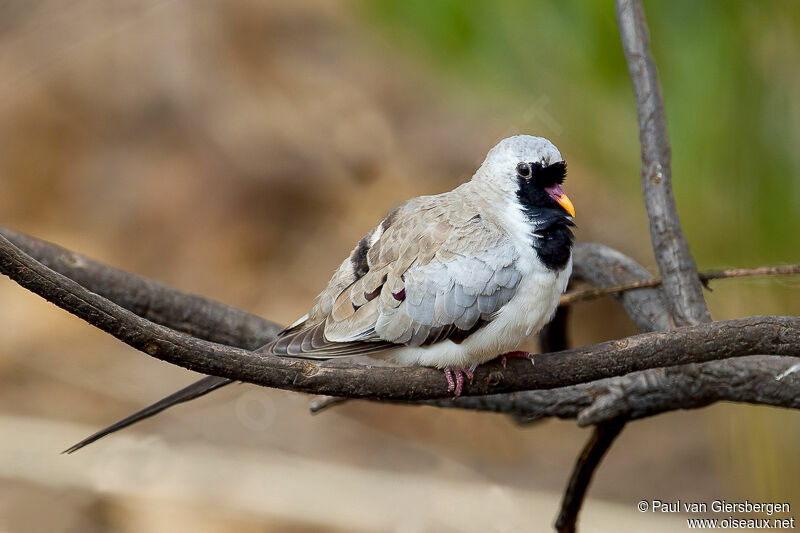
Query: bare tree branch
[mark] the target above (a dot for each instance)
(603, 436)
(678, 271)
(553, 337)
(733, 338)
(195, 315)
(757, 379)
(603, 266)
(682, 289)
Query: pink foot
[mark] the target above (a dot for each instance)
(455, 379)
(514, 355)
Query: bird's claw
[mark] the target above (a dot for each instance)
(515, 355)
(455, 379)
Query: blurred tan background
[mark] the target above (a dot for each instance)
(238, 149)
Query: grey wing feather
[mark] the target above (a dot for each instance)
(457, 293)
(429, 272)
(463, 299)
(469, 318)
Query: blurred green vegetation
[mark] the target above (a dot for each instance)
(730, 79)
(730, 73)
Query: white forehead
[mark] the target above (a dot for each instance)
(522, 148)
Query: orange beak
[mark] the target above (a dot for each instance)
(558, 194)
(565, 202)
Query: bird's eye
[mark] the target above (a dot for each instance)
(524, 170)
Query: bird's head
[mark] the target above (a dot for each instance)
(529, 169)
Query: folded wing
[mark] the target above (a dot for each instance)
(432, 271)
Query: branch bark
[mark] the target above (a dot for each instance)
(678, 271)
(603, 436)
(757, 379)
(682, 289)
(603, 266)
(777, 335)
(194, 315)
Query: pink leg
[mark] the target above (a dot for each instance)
(514, 355)
(455, 379)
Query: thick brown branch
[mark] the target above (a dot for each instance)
(678, 271)
(603, 266)
(709, 275)
(198, 316)
(594, 263)
(777, 335)
(756, 379)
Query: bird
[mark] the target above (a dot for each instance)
(448, 281)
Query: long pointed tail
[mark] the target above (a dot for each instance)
(195, 390)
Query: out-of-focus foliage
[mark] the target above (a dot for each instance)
(728, 71)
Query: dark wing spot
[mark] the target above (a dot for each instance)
(374, 294)
(359, 258)
(460, 335)
(369, 296)
(452, 332)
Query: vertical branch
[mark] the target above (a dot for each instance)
(553, 337)
(603, 266)
(682, 287)
(596, 447)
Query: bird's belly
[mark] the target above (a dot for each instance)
(530, 309)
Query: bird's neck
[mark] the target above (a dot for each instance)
(551, 235)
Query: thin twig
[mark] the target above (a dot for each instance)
(709, 275)
(605, 267)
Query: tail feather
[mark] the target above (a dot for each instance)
(298, 340)
(195, 390)
(309, 342)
